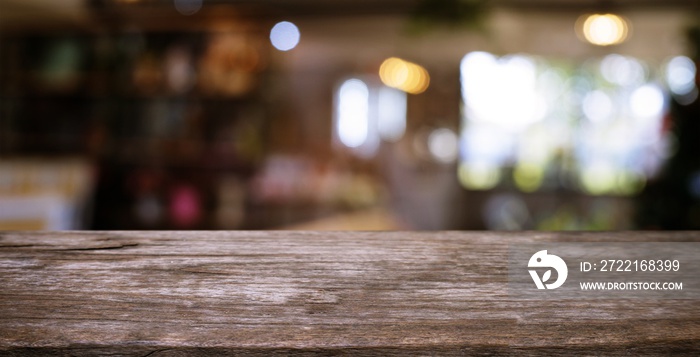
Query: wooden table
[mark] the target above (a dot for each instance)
(262, 293)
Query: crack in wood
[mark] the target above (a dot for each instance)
(156, 351)
(120, 246)
(18, 246)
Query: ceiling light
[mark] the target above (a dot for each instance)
(603, 29)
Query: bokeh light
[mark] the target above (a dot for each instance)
(479, 175)
(406, 76)
(680, 75)
(528, 177)
(621, 70)
(482, 142)
(391, 122)
(188, 7)
(598, 178)
(647, 101)
(545, 123)
(443, 145)
(285, 36)
(605, 29)
(597, 106)
(353, 113)
(489, 82)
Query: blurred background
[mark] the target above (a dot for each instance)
(349, 114)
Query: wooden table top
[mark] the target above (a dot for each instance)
(356, 293)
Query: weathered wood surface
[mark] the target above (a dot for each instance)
(262, 293)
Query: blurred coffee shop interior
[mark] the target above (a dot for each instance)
(349, 114)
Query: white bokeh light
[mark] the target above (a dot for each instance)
(443, 145)
(622, 70)
(680, 75)
(353, 113)
(488, 82)
(597, 106)
(485, 142)
(647, 101)
(392, 113)
(284, 36)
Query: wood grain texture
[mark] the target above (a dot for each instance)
(309, 293)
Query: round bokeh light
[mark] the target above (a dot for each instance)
(284, 36)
